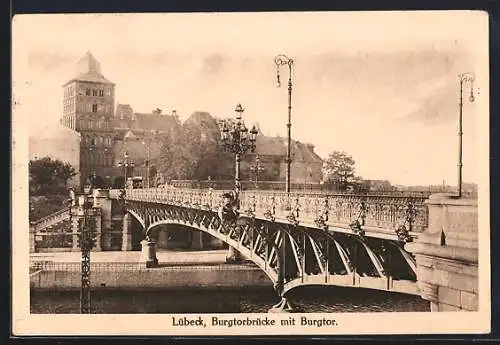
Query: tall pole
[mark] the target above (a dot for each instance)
(237, 173)
(289, 127)
(464, 77)
(147, 165)
(279, 61)
(460, 133)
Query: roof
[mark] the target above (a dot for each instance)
(200, 118)
(88, 69)
(124, 111)
(276, 146)
(154, 122)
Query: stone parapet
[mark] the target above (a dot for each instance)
(447, 254)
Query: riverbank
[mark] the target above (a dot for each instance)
(125, 271)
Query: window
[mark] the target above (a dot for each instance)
(101, 93)
(81, 91)
(107, 141)
(94, 92)
(94, 108)
(108, 91)
(87, 91)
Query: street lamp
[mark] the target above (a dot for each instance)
(256, 168)
(281, 60)
(467, 77)
(128, 165)
(238, 140)
(147, 141)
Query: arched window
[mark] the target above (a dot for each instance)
(99, 140)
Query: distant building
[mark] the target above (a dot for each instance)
(89, 109)
(59, 143)
(106, 133)
(306, 165)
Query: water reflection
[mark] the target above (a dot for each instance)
(256, 300)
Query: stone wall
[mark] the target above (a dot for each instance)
(156, 278)
(447, 254)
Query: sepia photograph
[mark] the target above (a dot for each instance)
(250, 173)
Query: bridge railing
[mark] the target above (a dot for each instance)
(377, 211)
(370, 211)
(50, 219)
(207, 199)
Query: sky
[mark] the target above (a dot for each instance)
(381, 86)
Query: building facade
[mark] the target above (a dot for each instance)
(107, 134)
(88, 108)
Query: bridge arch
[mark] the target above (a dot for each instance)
(224, 238)
(260, 240)
(138, 218)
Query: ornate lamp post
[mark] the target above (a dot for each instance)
(281, 60)
(256, 168)
(238, 140)
(467, 77)
(86, 244)
(128, 167)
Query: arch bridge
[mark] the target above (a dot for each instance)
(299, 239)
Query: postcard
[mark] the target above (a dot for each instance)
(281, 173)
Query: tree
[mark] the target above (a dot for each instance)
(194, 152)
(49, 176)
(338, 170)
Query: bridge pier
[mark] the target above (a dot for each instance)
(196, 240)
(127, 232)
(233, 256)
(283, 306)
(447, 255)
(148, 253)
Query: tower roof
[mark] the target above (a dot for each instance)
(89, 69)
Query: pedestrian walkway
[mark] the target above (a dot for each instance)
(164, 257)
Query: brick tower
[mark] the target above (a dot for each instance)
(88, 103)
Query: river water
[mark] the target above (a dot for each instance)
(254, 300)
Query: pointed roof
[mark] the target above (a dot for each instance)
(89, 69)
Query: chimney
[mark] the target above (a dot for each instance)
(157, 111)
